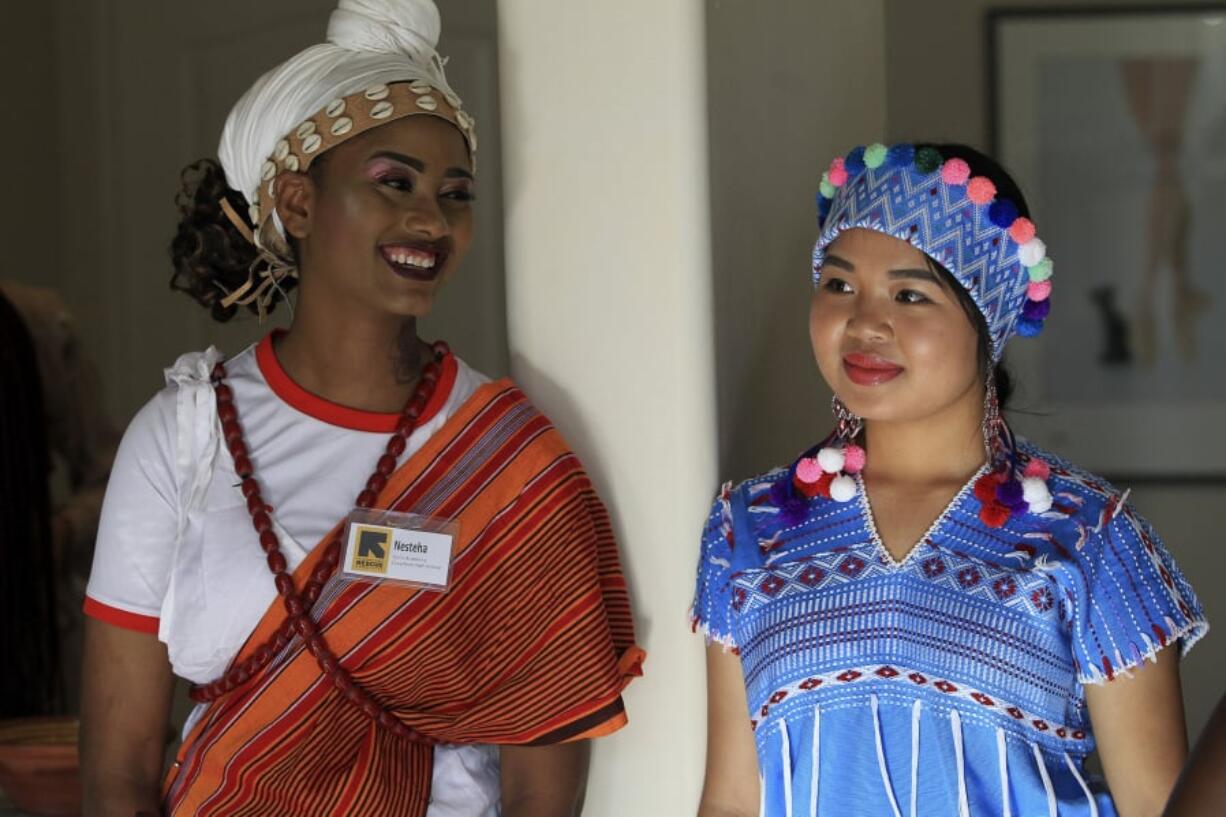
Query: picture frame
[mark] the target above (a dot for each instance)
(1114, 121)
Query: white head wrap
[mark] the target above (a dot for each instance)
(369, 42)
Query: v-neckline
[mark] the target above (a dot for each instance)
(866, 511)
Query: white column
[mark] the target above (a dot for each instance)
(610, 322)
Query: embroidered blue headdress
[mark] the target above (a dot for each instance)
(956, 219)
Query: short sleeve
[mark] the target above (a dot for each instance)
(712, 608)
(1129, 601)
(139, 523)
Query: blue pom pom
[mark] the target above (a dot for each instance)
(1010, 494)
(1036, 310)
(1029, 328)
(900, 156)
(854, 162)
(823, 208)
(1002, 213)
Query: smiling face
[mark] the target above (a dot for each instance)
(385, 218)
(890, 336)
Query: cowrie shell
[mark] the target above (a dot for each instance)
(335, 108)
(381, 110)
(253, 213)
(375, 92)
(419, 86)
(311, 143)
(269, 170)
(466, 121)
(341, 126)
(305, 130)
(291, 163)
(427, 103)
(282, 150)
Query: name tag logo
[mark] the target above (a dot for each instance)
(373, 545)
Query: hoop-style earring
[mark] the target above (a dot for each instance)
(829, 473)
(1007, 488)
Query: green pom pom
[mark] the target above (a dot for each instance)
(874, 155)
(927, 160)
(826, 188)
(1040, 271)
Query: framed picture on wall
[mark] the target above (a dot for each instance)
(1115, 120)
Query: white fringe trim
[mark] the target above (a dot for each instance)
(1051, 793)
(885, 774)
(1089, 795)
(1187, 635)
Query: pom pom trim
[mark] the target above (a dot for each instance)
(980, 190)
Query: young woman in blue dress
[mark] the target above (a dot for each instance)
(924, 614)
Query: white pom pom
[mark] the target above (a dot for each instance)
(1032, 252)
(831, 460)
(843, 489)
(1036, 494)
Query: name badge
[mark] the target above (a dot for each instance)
(399, 548)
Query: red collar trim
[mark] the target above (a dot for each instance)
(334, 413)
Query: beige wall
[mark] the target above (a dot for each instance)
(782, 105)
(609, 309)
(937, 81)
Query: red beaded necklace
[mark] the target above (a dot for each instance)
(298, 605)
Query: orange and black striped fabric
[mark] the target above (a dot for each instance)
(532, 644)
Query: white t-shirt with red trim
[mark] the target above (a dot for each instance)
(176, 555)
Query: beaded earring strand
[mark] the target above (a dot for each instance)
(830, 472)
(1007, 488)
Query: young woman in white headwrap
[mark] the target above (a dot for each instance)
(224, 555)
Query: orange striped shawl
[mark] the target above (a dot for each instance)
(532, 644)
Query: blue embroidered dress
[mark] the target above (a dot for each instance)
(947, 684)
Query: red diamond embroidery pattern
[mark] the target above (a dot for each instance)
(887, 672)
(771, 585)
(946, 687)
(812, 576)
(852, 566)
(850, 675)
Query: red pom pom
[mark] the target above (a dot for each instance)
(993, 514)
(821, 487)
(985, 488)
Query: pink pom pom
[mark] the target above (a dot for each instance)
(980, 190)
(1038, 469)
(1022, 230)
(808, 471)
(837, 173)
(1039, 290)
(955, 171)
(853, 459)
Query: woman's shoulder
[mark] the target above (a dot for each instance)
(1066, 475)
(186, 397)
(1080, 496)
